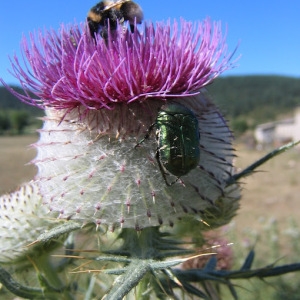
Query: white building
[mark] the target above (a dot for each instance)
(279, 132)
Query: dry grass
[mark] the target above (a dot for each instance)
(273, 191)
(15, 154)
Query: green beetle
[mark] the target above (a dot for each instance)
(177, 135)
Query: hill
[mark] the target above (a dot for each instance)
(9, 102)
(17, 117)
(256, 98)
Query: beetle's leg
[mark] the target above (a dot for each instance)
(146, 135)
(162, 170)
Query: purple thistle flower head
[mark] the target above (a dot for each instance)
(69, 69)
(102, 96)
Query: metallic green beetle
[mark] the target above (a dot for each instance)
(177, 134)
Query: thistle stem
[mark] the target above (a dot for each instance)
(136, 270)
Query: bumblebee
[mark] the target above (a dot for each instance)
(107, 14)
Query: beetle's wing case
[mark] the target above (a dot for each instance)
(178, 139)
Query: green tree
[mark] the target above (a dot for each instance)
(5, 123)
(239, 125)
(19, 120)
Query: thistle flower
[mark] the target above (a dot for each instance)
(100, 100)
(22, 220)
(219, 246)
(68, 70)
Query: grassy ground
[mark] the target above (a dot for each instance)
(270, 197)
(268, 220)
(272, 191)
(15, 154)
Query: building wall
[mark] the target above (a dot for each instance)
(297, 126)
(279, 132)
(284, 132)
(264, 135)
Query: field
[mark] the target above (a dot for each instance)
(15, 154)
(269, 217)
(271, 193)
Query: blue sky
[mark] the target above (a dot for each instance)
(268, 31)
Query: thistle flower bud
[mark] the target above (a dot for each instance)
(220, 248)
(22, 220)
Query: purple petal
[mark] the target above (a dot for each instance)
(68, 69)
